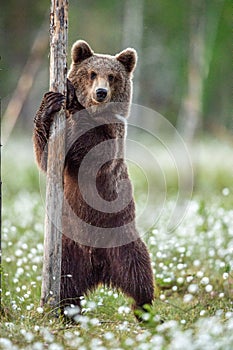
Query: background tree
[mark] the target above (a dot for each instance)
(164, 58)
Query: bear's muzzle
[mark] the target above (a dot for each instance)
(101, 94)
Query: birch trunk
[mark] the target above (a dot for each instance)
(133, 36)
(190, 116)
(56, 153)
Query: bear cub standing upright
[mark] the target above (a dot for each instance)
(100, 243)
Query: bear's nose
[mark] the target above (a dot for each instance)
(101, 94)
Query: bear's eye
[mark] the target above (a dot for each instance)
(110, 78)
(93, 75)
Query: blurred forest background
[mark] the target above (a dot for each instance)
(184, 47)
(184, 70)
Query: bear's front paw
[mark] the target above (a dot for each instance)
(53, 102)
(72, 103)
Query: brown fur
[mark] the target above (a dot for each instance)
(106, 247)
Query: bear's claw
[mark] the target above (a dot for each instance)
(53, 102)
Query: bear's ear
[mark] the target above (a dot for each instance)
(80, 51)
(128, 58)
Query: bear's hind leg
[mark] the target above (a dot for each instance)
(132, 273)
(77, 274)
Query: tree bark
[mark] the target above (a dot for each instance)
(56, 154)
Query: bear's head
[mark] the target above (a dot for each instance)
(99, 79)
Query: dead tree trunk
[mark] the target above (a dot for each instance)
(56, 154)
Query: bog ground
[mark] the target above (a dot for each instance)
(192, 268)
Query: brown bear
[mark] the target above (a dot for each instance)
(100, 242)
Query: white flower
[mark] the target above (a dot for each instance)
(229, 314)
(225, 191)
(180, 266)
(193, 288)
(37, 346)
(18, 252)
(40, 310)
(200, 274)
(55, 346)
(197, 263)
(91, 305)
(129, 342)
(95, 322)
(205, 280)
(189, 279)
(109, 335)
(72, 311)
(187, 298)
(180, 280)
(124, 310)
(83, 302)
(209, 288)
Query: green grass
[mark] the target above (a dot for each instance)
(192, 270)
